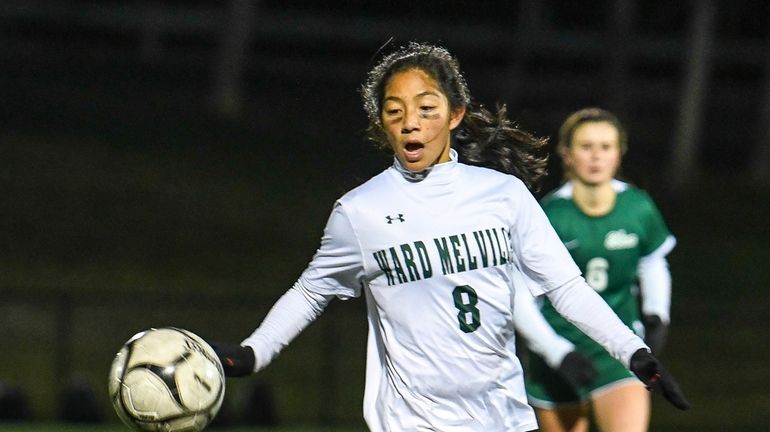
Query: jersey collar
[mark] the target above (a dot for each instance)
(565, 190)
(438, 170)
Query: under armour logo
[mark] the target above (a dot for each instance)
(399, 217)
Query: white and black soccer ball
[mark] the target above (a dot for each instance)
(166, 379)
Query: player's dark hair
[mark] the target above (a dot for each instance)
(483, 138)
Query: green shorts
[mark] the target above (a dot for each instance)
(546, 387)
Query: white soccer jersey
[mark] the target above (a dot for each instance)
(436, 258)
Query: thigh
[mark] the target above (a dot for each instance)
(546, 387)
(569, 418)
(622, 408)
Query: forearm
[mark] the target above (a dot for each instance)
(584, 308)
(655, 286)
(294, 311)
(540, 336)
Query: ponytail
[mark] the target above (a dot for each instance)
(491, 140)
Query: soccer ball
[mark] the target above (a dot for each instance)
(166, 379)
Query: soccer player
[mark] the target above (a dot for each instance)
(617, 236)
(433, 243)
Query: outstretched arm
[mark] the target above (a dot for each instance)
(335, 271)
(583, 307)
(297, 308)
(286, 319)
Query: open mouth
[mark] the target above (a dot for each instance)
(410, 147)
(413, 151)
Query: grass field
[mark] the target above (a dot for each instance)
(53, 427)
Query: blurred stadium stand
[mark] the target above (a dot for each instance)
(543, 58)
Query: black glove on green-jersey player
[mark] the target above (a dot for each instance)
(577, 370)
(655, 333)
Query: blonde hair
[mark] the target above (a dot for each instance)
(589, 115)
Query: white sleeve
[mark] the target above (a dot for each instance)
(655, 281)
(537, 249)
(584, 308)
(297, 308)
(540, 336)
(337, 267)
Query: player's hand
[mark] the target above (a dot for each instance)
(657, 378)
(237, 361)
(655, 333)
(577, 369)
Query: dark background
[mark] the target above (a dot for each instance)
(174, 162)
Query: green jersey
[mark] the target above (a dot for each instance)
(606, 248)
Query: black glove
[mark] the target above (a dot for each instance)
(237, 361)
(657, 378)
(655, 333)
(577, 370)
